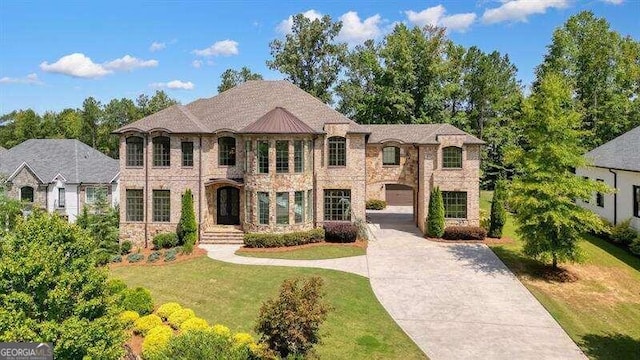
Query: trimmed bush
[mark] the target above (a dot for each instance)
(170, 256)
(138, 300)
(165, 241)
(485, 220)
(187, 226)
(115, 286)
(623, 233)
(340, 232)
(146, 323)
(204, 344)
(635, 246)
(266, 240)
(221, 330)
(195, 323)
(243, 339)
(375, 204)
(464, 233)
(116, 259)
(125, 247)
(129, 317)
(189, 243)
(134, 258)
(498, 211)
(156, 341)
(154, 256)
(165, 310)
(435, 217)
(178, 317)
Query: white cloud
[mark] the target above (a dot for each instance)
(285, 25)
(157, 46)
(220, 48)
(76, 65)
(519, 10)
(614, 2)
(31, 79)
(355, 30)
(436, 16)
(174, 85)
(128, 63)
(196, 64)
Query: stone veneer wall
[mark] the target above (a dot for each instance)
(26, 178)
(378, 175)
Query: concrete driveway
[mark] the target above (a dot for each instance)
(457, 301)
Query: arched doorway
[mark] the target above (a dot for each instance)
(228, 206)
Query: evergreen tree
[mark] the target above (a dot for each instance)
(435, 217)
(187, 226)
(498, 212)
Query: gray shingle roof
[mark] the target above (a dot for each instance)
(278, 121)
(236, 108)
(416, 133)
(621, 153)
(73, 159)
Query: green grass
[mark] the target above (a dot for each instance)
(326, 251)
(357, 328)
(600, 311)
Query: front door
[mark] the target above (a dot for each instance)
(228, 206)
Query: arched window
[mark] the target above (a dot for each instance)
(26, 194)
(452, 157)
(227, 151)
(391, 155)
(161, 151)
(337, 151)
(135, 151)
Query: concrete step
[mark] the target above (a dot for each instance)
(222, 235)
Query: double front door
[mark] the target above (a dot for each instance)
(228, 206)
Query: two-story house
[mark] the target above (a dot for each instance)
(266, 156)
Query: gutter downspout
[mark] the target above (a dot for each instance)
(146, 191)
(315, 180)
(416, 196)
(615, 197)
(199, 187)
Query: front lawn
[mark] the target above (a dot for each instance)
(312, 252)
(601, 310)
(357, 328)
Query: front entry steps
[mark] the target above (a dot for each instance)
(222, 234)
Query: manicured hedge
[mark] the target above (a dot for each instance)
(266, 240)
(340, 232)
(375, 204)
(464, 233)
(165, 241)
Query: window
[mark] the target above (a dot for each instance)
(263, 157)
(298, 207)
(247, 151)
(452, 157)
(337, 151)
(135, 151)
(92, 194)
(309, 205)
(227, 151)
(135, 205)
(161, 151)
(61, 198)
(636, 201)
(282, 156)
(391, 155)
(26, 194)
(187, 153)
(337, 205)
(600, 197)
(282, 208)
(298, 156)
(586, 178)
(161, 205)
(455, 204)
(263, 208)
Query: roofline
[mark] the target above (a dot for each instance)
(612, 168)
(114, 177)
(62, 176)
(20, 167)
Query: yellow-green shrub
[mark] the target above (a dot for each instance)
(156, 341)
(221, 330)
(165, 310)
(242, 339)
(128, 317)
(178, 317)
(146, 323)
(194, 323)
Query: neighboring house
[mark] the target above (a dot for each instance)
(266, 156)
(617, 163)
(60, 175)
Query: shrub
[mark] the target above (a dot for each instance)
(623, 233)
(203, 344)
(134, 258)
(363, 230)
(189, 243)
(165, 240)
(375, 204)
(156, 341)
(178, 317)
(125, 247)
(146, 323)
(435, 217)
(290, 323)
(243, 339)
(498, 211)
(195, 323)
(635, 246)
(138, 300)
(187, 223)
(115, 286)
(485, 220)
(129, 317)
(464, 233)
(170, 256)
(165, 310)
(264, 240)
(154, 256)
(115, 259)
(221, 330)
(340, 232)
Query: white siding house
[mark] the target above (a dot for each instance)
(617, 163)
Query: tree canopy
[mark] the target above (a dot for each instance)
(231, 78)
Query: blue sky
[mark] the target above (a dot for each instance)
(54, 54)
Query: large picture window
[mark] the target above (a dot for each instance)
(187, 153)
(161, 205)
(282, 156)
(298, 156)
(26, 194)
(337, 205)
(452, 157)
(455, 204)
(391, 155)
(135, 204)
(92, 194)
(337, 151)
(263, 208)
(636, 201)
(227, 151)
(263, 157)
(298, 207)
(135, 151)
(161, 151)
(282, 208)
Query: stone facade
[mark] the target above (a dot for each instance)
(26, 178)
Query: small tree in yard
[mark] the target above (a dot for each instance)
(545, 189)
(290, 324)
(435, 217)
(187, 227)
(498, 212)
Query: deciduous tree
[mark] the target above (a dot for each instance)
(231, 78)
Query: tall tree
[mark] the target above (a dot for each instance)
(310, 56)
(544, 193)
(231, 78)
(91, 118)
(117, 113)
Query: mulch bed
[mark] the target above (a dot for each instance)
(486, 241)
(359, 243)
(197, 252)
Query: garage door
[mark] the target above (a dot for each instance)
(399, 195)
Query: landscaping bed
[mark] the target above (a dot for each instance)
(315, 251)
(163, 259)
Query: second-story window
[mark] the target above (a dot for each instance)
(227, 151)
(391, 155)
(263, 156)
(452, 157)
(161, 151)
(337, 151)
(135, 151)
(282, 156)
(187, 153)
(298, 156)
